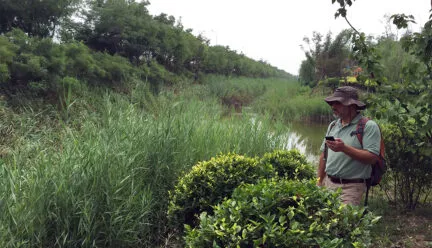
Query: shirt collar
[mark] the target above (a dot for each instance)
(353, 121)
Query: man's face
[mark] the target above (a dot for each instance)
(339, 110)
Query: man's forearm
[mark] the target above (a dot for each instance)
(321, 169)
(364, 156)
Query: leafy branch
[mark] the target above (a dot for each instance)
(362, 52)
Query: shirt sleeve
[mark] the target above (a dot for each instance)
(322, 146)
(372, 137)
(328, 130)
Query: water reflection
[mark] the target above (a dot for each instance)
(307, 138)
(295, 141)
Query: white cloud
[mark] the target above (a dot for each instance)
(273, 30)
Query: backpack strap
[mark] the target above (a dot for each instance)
(359, 133)
(360, 129)
(332, 125)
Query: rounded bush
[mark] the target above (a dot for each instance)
(208, 183)
(282, 213)
(289, 164)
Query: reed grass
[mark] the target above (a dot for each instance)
(290, 101)
(103, 179)
(280, 98)
(240, 89)
(100, 175)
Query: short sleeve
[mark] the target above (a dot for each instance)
(372, 137)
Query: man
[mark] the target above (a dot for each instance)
(345, 163)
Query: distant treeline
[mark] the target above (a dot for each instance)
(45, 45)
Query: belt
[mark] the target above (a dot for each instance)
(345, 181)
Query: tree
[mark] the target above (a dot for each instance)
(164, 18)
(35, 18)
(120, 27)
(307, 72)
(199, 48)
(325, 58)
(393, 58)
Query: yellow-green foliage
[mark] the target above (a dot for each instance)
(209, 182)
(283, 213)
(289, 164)
(360, 81)
(351, 79)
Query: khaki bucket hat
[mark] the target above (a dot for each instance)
(346, 95)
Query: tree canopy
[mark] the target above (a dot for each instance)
(325, 57)
(36, 18)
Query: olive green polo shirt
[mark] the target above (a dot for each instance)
(338, 164)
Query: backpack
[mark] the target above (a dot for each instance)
(380, 167)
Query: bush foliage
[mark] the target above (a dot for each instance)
(289, 164)
(209, 182)
(409, 176)
(282, 213)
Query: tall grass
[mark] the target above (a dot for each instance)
(290, 101)
(104, 180)
(238, 90)
(280, 98)
(221, 86)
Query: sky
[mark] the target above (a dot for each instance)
(273, 30)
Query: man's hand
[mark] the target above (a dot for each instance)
(337, 145)
(320, 182)
(363, 156)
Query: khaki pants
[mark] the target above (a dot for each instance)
(351, 192)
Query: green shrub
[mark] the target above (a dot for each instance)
(330, 82)
(4, 73)
(409, 178)
(113, 69)
(7, 52)
(208, 183)
(28, 60)
(289, 164)
(282, 214)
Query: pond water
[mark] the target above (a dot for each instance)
(307, 138)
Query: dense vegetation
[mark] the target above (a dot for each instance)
(209, 182)
(105, 43)
(103, 178)
(282, 213)
(105, 109)
(234, 200)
